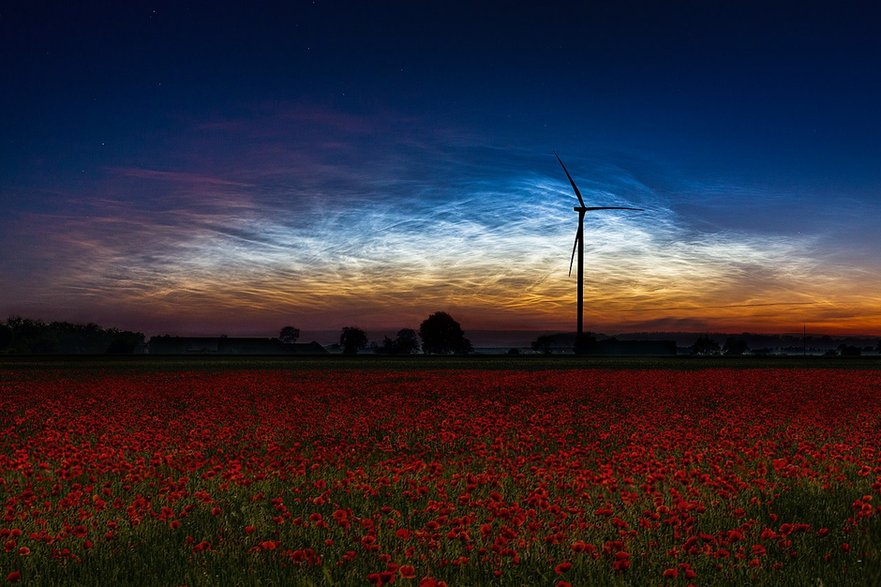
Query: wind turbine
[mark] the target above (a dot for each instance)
(579, 245)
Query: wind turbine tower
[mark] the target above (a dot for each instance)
(579, 246)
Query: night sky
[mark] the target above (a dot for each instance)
(207, 168)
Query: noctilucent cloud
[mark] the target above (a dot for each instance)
(233, 167)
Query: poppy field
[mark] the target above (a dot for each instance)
(433, 477)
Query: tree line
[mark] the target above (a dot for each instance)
(25, 336)
(439, 334)
(737, 345)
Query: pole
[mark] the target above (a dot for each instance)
(580, 279)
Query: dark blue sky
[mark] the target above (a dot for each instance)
(214, 166)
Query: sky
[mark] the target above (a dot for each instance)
(215, 167)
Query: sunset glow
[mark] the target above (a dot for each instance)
(191, 200)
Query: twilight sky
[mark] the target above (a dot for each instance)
(208, 167)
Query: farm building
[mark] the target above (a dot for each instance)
(611, 347)
(222, 345)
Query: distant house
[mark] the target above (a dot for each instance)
(611, 347)
(223, 345)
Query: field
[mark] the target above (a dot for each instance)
(222, 474)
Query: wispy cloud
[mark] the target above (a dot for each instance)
(324, 219)
(176, 177)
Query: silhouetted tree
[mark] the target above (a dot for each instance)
(734, 346)
(28, 336)
(386, 348)
(878, 348)
(543, 344)
(584, 343)
(705, 345)
(33, 336)
(352, 339)
(407, 341)
(442, 335)
(289, 335)
(77, 338)
(847, 350)
(124, 342)
(5, 337)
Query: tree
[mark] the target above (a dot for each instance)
(848, 350)
(543, 344)
(124, 342)
(5, 337)
(878, 348)
(405, 343)
(734, 346)
(442, 335)
(26, 336)
(584, 343)
(386, 348)
(704, 345)
(352, 339)
(289, 335)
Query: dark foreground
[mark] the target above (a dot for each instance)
(524, 471)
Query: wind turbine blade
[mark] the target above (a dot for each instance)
(575, 246)
(572, 181)
(613, 208)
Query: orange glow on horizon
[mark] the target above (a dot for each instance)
(227, 265)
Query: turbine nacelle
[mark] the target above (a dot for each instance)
(582, 210)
